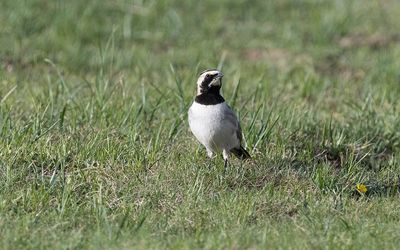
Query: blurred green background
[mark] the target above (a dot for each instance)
(95, 150)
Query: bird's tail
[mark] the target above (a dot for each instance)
(240, 153)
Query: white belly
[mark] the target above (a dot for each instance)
(210, 126)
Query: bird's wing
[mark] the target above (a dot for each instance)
(232, 119)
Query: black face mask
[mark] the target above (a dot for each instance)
(205, 85)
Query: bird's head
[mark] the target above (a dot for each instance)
(209, 80)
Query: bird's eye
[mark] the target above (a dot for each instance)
(208, 75)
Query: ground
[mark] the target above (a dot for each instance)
(95, 149)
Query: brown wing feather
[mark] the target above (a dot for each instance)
(239, 152)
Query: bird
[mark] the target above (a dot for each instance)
(213, 123)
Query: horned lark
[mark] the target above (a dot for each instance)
(212, 121)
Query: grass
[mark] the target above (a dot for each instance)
(95, 150)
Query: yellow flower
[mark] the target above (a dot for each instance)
(361, 188)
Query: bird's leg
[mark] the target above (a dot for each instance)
(225, 154)
(210, 154)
